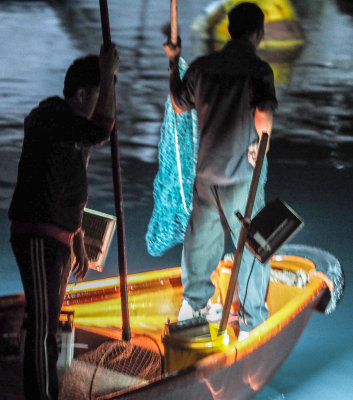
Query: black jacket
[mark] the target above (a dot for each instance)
(224, 88)
(52, 181)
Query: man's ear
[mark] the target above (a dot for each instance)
(80, 95)
(260, 34)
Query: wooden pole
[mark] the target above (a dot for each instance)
(174, 22)
(118, 198)
(243, 233)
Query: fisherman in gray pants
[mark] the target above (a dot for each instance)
(234, 96)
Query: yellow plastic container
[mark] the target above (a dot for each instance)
(181, 351)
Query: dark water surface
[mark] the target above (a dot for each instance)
(311, 158)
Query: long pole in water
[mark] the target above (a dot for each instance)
(118, 198)
(174, 21)
(243, 233)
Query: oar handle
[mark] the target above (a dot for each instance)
(118, 197)
(243, 232)
(103, 5)
(174, 21)
(256, 175)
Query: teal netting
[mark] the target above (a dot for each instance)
(173, 185)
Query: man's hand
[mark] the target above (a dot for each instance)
(80, 267)
(173, 51)
(252, 153)
(109, 60)
(263, 120)
(108, 64)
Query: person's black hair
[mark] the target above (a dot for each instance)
(82, 73)
(245, 19)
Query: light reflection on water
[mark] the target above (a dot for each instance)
(317, 107)
(42, 39)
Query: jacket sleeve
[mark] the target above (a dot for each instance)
(84, 131)
(263, 93)
(57, 123)
(184, 95)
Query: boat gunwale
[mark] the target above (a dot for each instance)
(216, 361)
(238, 351)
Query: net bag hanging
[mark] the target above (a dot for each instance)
(112, 368)
(173, 184)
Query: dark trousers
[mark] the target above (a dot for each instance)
(44, 264)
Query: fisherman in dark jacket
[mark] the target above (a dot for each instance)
(48, 202)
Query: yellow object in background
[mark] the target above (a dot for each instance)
(283, 38)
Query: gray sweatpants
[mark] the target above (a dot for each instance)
(211, 222)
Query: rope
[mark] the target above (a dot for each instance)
(182, 194)
(290, 278)
(325, 263)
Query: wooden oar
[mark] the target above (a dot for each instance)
(118, 197)
(243, 233)
(174, 22)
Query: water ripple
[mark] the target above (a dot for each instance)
(313, 124)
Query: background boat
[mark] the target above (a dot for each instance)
(283, 40)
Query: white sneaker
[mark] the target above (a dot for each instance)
(187, 312)
(242, 335)
(212, 312)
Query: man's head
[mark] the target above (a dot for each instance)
(246, 20)
(81, 85)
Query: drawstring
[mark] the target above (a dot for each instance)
(224, 220)
(182, 194)
(242, 304)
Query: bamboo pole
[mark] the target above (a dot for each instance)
(174, 22)
(118, 197)
(243, 233)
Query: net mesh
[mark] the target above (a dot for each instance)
(173, 184)
(114, 366)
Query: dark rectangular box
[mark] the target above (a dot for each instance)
(275, 224)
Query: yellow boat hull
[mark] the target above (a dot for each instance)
(155, 297)
(233, 369)
(240, 367)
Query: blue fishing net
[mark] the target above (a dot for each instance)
(173, 184)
